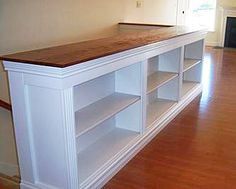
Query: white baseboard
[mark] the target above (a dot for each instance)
(212, 44)
(9, 169)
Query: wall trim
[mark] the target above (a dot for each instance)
(213, 44)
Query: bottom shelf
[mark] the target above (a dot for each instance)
(157, 109)
(188, 86)
(99, 153)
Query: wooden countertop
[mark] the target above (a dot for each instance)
(76, 53)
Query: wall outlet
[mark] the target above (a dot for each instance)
(139, 4)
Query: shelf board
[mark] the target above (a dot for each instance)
(102, 151)
(189, 63)
(188, 86)
(158, 79)
(157, 109)
(94, 114)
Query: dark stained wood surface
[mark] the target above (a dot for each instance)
(144, 24)
(71, 54)
(5, 105)
(197, 150)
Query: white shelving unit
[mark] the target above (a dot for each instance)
(158, 79)
(78, 126)
(189, 63)
(101, 152)
(157, 109)
(192, 67)
(107, 118)
(162, 85)
(92, 115)
(188, 86)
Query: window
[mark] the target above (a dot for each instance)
(202, 13)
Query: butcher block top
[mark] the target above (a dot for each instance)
(77, 53)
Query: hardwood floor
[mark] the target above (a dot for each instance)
(197, 150)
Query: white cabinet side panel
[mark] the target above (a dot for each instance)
(46, 124)
(22, 130)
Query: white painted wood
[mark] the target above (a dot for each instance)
(24, 142)
(51, 125)
(126, 155)
(95, 134)
(92, 160)
(194, 50)
(157, 109)
(158, 79)
(170, 61)
(169, 91)
(189, 63)
(181, 71)
(128, 80)
(130, 118)
(93, 90)
(69, 133)
(166, 62)
(194, 73)
(96, 113)
(144, 76)
(187, 87)
(45, 100)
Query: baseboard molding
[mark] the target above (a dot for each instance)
(212, 44)
(9, 169)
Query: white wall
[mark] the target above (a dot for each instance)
(151, 11)
(31, 24)
(8, 160)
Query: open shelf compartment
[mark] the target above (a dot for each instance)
(193, 54)
(163, 68)
(189, 63)
(188, 86)
(101, 98)
(191, 79)
(103, 144)
(96, 113)
(160, 101)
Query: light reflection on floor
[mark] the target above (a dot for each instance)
(206, 76)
